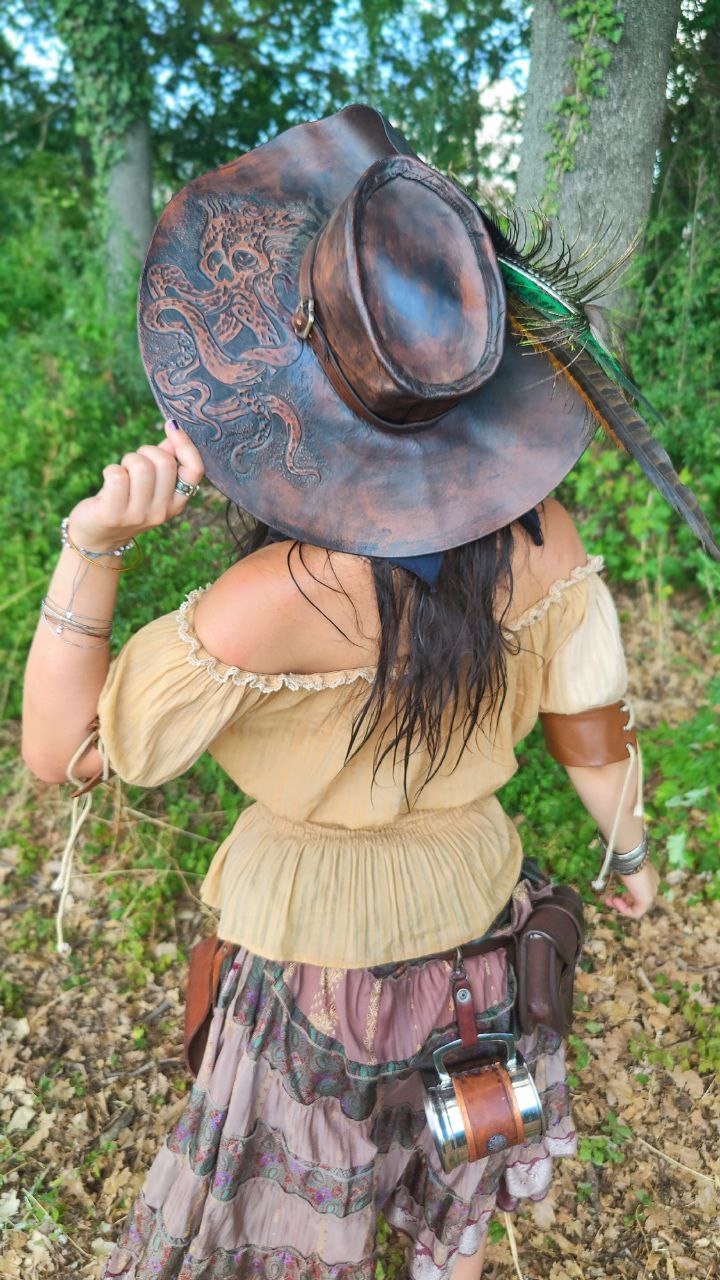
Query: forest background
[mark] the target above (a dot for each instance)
(106, 109)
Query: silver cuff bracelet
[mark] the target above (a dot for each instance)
(626, 864)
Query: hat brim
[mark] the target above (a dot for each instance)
(217, 295)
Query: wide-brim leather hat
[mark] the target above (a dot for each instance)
(326, 318)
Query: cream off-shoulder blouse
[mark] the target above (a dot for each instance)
(326, 868)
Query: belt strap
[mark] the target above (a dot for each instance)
(470, 949)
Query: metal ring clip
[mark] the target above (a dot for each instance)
(304, 318)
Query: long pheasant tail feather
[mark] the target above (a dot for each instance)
(628, 429)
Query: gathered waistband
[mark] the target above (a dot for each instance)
(432, 821)
(324, 894)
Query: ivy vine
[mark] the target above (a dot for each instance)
(105, 39)
(594, 27)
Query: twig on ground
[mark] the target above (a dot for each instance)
(158, 1011)
(712, 1178)
(168, 826)
(141, 1070)
(644, 980)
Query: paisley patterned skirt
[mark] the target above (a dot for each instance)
(307, 1119)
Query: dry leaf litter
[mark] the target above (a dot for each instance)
(91, 1076)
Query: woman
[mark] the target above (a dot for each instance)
(363, 674)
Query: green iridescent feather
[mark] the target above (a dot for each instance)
(558, 322)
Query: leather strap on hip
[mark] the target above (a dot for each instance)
(599, 736)
(206, 961)
(470, 949)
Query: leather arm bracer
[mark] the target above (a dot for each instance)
(599, 736)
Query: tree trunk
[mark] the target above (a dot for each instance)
(129, 198)
(615, 159)
(106, 40)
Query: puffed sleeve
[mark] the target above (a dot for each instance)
(166, 700)
(588, 669)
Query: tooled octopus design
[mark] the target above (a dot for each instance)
(242, 256)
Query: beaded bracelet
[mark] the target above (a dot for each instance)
(97, 556)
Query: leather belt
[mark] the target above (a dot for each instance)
(467, 950)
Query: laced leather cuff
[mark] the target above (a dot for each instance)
(599, 736)
(602, 735)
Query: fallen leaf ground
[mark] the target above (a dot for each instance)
(91, 1076)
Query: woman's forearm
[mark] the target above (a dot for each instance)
(70, 655)
(610, 797)
(601, 788)
(67, 667)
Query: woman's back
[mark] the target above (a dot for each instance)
(260, 617)
(318, 864)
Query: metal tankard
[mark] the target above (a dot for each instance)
(484, 1102)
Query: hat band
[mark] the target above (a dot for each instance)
(308, 329)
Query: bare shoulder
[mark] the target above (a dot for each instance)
(563, 549)
(537, 568)
(301, 610)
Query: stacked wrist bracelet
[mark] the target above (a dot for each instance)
(97, 557)
(626, 864)
(61, 620)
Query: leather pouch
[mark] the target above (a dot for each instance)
(206, 968)
(547, 953)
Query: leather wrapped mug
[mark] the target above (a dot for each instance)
(482, 1103)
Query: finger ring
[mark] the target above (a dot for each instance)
(187, 490)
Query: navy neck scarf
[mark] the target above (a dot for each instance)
(427, 567)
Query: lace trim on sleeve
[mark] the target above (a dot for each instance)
(594, 564)
(271, 683)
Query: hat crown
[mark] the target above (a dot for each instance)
(408, 293)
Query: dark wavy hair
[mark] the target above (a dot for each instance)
(442, 662)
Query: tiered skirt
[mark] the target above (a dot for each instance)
(307, 1120)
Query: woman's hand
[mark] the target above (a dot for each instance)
(641, 893)
(138, 493)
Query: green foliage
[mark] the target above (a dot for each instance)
(76, 396)
(35, 115)
(555, 829)
(217, 78)
(593, 27)
(605, 1147)
(699, 1048)
(228, 74)
(422, 65)
(392, 1262)
(12, 997)
(623, 517)
(106, 40)
(497, 1231)
(685, 764)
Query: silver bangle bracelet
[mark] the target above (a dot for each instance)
(626, 864)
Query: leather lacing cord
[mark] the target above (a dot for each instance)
(635, 761)
(513, 1245)
(81, 806)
